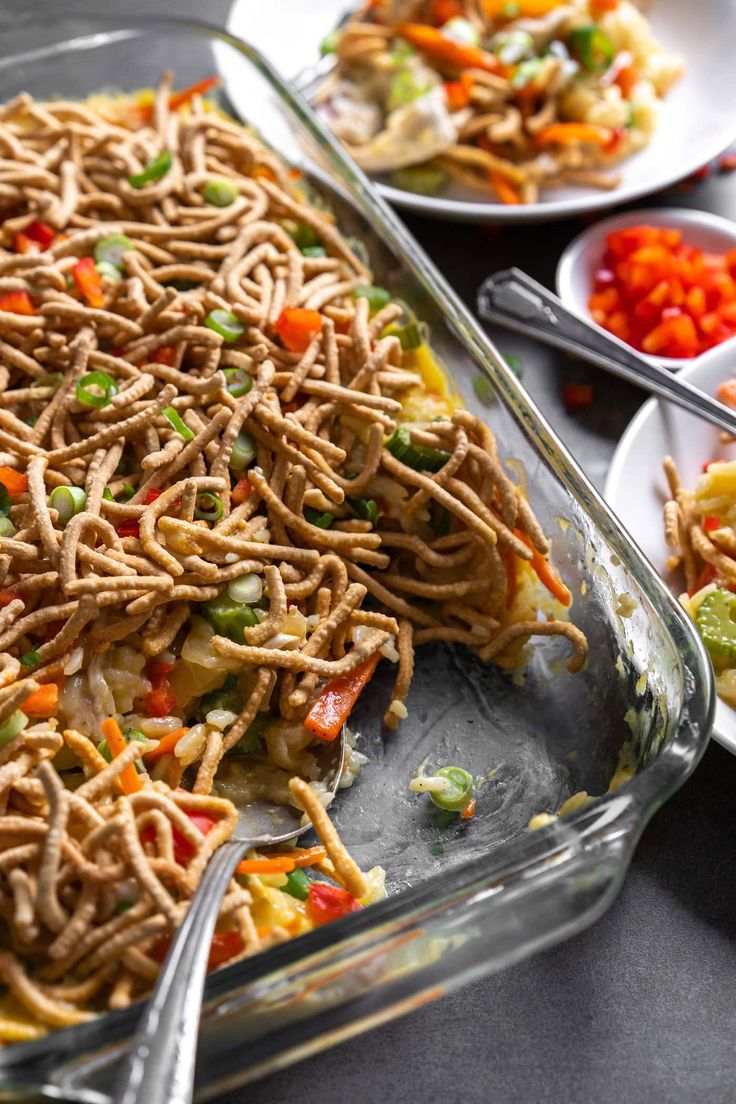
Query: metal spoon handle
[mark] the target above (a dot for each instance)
(160, 1065)
(514, 300)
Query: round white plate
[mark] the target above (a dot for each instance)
(697, 121)
(636, 487)
(578, 263)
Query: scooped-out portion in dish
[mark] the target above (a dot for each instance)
(232, 481)
(508, 99)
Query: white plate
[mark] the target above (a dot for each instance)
(697, 121)
(577, 265)
(636, 487)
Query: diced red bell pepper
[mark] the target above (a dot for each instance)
(129, 528)
(706, 576)
(326, 903)
(165, 354)
(711, 523)
(297, 327)
(40, 232)
(241, 490)
(16, 302)
(332, 708)
(576, 396)
(89, 282)
(15, 482)
(225, 945)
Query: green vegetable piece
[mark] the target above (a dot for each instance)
(315, 251)
(109, 271)
(208, 506)
(403, 89)
(305, 236)
(323, 520)
(239, 382)
(243, 452)
(154, 171)
(229, 618)
(591, 47)
(484, 389)
(5, 502)
(31, 659)
(126, 492)
(461, 30)
(51, 379)
(377, 297)
(108, 495)
(409, 334)
(366, 508)
(131, 734)
(511, 47)
(401, 50)
(251, 741)
(437, 849)
(416, 456)
(7, 529)
(526, 72)
(226, 324)
(220, 193)
(225, 697)
(459, 792)
(67, 501)
(515, 364)
(10, 728)
(96, 389)
(297, 885)
(716, 622)
(330, 42)
(177, 423)
(110, 250)
(426, 179)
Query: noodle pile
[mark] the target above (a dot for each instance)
(130, 404)
(509, 99)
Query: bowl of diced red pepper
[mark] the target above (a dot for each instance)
(663, 281)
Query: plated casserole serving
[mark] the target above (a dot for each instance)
(233, 479)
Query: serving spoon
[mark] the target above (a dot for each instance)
(159, 1068)
(514, 300)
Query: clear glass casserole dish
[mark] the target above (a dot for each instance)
(482, 894)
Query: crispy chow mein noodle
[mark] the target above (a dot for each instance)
(232, 480)
(506, 99)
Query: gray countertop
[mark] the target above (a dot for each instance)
(638, 1008)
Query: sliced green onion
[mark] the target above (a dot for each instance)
(108, 495)
(96, 389)
(177, 424)
(244, 452)
(110, 250)
(127, 491)
(67, 501)
(527, 72)
(31, 659)
(461, 30)
(377, 297)
(305, 236)
(226, 324)
(409, 335)
(403, 89)
(366, 508)
(330, 42)
(401, 50)
(315, 251)
(131, 734)
(239, 382)
(15, 724)
(297, 885)
(483, 389)
(511, 47)
(7, 529)
(220, 193)
(514, 363)
(109, 271)
(247, 589)
(426, 179)
(208, 506)
(459, 791)
(322, 519)
(229, 618)
(416, 456)
(51, 379)
(591, 47)
(5, 502)
(155, 170)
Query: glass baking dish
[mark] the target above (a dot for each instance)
(482, 894)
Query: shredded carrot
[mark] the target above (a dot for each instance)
(443, 48)
(303, 856)
(178, 99)
(493, 9)
(546, 573)
(89, 282)
(469, 810)
(505, 191)
(509, 562)
(166, 745)
(276, 865)
(42, 702)
(573, 134)
(15, 482)
(129, 780)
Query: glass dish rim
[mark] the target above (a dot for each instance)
(631, 806)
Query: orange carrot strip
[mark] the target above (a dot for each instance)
(505, 191)
(178, 99)
(15, 482)
(129, 780)
(469, 810)
(573, 134)
(303, 856)
(546, 573)
(42, 702)
(89, 282)
(266, 866)
(332, 708)
(440, 46)
(166, 745)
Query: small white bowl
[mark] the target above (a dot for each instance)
(578, 263)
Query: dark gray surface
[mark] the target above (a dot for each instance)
(640, 1007)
